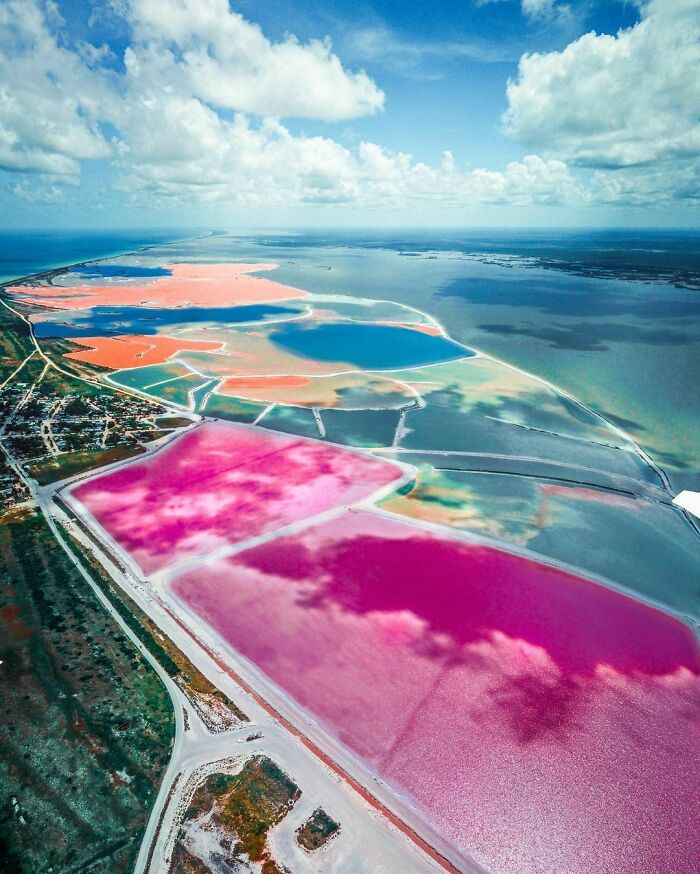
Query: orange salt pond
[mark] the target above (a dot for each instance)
(251, 354)
(344, 391)
(189, 285)
(238, 385)
(134, 350)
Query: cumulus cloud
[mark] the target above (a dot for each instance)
(265, 164)
(228, 62)
(44, 191)
(615, 101)
(173, 136)
(49, 101)
(191, 112)
(640, 186)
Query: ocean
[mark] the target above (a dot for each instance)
(25, 252)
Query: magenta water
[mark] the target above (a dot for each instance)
(541, 722)
(222, 483)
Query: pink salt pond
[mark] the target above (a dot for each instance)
(202, 285)
(540, 722)
(220, 484)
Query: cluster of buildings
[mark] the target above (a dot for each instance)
(37, 422)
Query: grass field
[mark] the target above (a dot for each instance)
(49, 470)
(317, 830)
(15, 342)
(169, 657)
(87, 724)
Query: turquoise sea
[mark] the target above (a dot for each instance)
(25, 252)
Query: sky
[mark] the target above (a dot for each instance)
(320, 113)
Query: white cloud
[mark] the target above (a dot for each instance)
(213, 160)
(44, 191)
(422, 59)
(178, 131)
(538, 8)
(615, 101)
(188, 60)
(640, 186)
(228, 62)
(49, 101)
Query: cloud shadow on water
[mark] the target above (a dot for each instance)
(592, 337)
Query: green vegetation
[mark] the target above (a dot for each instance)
(169, 422)
(15, 342)
(12, 490)
(233, 409)
(87, 725)
(57, 425)
(57, 349)
(151, 436)
(253, 801)
(168, 656)
(60, 422)
(51, 469)
(246, 806)
(317, 829)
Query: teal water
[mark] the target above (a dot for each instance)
(612, 318)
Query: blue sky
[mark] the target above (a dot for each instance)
(460, 112)
(443, 66)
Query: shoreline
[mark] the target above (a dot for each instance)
(50, 272)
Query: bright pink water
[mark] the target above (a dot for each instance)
(542, 722)
(220, 484)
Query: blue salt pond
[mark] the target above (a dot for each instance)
(371, 347)
(112, 321)
(117, 270)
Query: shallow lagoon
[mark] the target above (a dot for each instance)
(369, 346)
(114, 321)
(540, 719)
(590, 312)
(443, 428)
(222, 483)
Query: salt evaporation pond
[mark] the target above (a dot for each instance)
(115, 320)
(221, 483)
(521, 708)
(183, 285)
(368, 346)
(119, 271)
